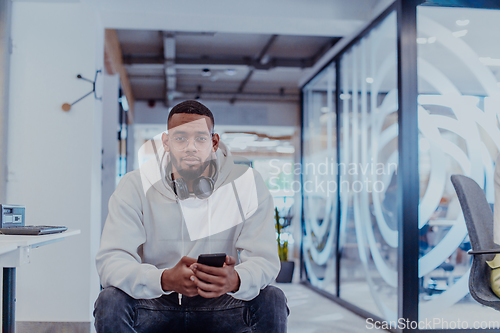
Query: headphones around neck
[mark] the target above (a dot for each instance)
(203, 187)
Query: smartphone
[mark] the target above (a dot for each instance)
(214, 260)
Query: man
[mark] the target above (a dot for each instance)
(193, 200)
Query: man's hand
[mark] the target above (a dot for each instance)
(178, 278)
(216, 281)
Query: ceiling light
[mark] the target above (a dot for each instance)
(369, 80)
(431, 40)
(206, 72)
(325, 109)
(230, 72)
(421, 40)
(462, 23)
(459, 33)
(490, 61)
(345, 96)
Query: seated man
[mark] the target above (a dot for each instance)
(191, 200)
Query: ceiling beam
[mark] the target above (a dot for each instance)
(225, 96)
(224, 61)
(242, 85)
(259, 60)
(114, 65)
(169, 65)
(266, 48)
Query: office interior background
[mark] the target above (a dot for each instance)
(396, 105)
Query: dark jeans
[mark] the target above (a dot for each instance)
(117, 312)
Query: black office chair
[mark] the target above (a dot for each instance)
(479, 220)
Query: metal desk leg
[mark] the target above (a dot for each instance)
(9, 300)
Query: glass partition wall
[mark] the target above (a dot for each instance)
(368, 134)
(458, 110)
(319, 177)
(370, 240)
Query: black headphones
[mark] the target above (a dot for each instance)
(203, 187)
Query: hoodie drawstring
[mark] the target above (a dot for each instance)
(209, 224)
(182, 246)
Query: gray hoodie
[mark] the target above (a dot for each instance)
(148, 229)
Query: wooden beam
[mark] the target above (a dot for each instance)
(108, 64)
(113, 61)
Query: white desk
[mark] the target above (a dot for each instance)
(14, 252)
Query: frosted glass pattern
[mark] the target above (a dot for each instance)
(319, 186)
(368, 237)
(458, 110)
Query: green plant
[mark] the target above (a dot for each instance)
(282, 244)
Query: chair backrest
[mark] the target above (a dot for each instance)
(479, 220)
(477, 212)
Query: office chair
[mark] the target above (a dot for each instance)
(479, 220)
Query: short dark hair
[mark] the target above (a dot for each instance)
(192, 107)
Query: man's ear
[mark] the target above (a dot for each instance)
(215, 142)
(164, 140)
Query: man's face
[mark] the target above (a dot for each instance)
(190, 143)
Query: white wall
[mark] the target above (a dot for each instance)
(110, 109)
(5, 14)
(295, 17)
(54, 156)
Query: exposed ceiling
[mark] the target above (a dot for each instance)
(169, 65)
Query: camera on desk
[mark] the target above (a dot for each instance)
(11, 216)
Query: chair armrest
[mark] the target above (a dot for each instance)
(479, 252)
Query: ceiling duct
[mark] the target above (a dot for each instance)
(169, 64)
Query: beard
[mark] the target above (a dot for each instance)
(190, 173)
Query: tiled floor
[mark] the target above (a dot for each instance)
(313, 313)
